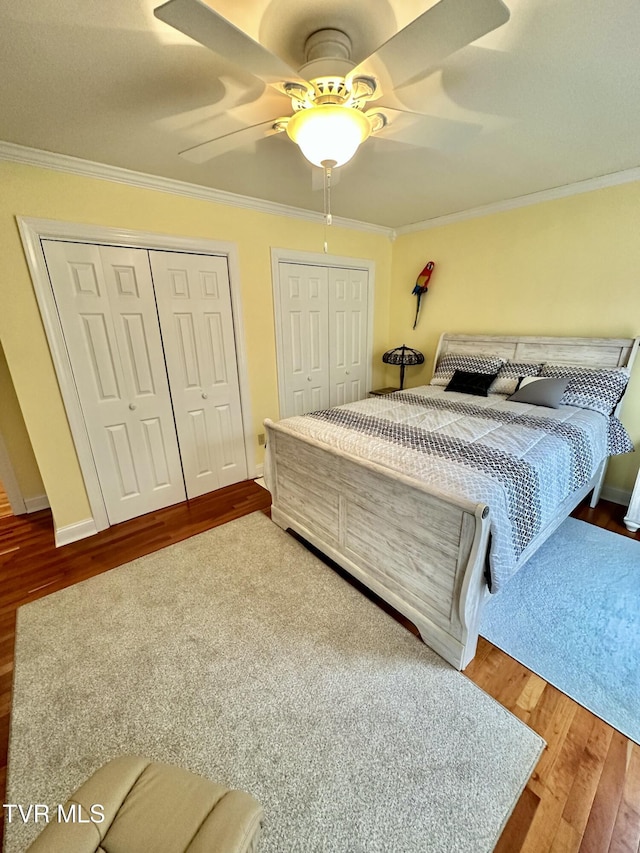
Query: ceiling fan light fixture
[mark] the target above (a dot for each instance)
(329, 132)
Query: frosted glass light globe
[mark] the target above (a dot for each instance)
(328, 133)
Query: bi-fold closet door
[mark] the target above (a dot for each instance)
(152, 350)
(323, 322)
(194, 306)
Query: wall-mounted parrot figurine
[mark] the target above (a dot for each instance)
(422, 286)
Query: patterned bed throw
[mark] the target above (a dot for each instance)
(522, 460)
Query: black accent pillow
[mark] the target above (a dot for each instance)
(471, 383)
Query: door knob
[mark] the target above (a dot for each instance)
(308, 379)
(132, 406)
(347, 372)
(204, 396)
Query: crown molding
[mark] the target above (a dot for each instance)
(14, 153)
(614, 179)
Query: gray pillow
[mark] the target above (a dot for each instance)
(541, 392)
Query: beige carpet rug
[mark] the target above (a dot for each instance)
(241, 656)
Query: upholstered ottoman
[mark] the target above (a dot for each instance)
(153, 808)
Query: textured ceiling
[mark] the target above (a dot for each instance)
(550, 98)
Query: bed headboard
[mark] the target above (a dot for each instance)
(588, 352)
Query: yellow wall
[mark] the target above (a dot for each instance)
(567, 267)
(564, 267)
(15, 437)
(34, 192)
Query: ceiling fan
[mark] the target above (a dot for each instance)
(330, 95)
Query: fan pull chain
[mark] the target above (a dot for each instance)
(327, 165)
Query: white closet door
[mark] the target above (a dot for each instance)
(348, 324)
(304, 327)
(107, 309)
(194, 306)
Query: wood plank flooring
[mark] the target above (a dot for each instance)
(584, 795)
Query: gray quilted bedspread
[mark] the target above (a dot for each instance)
(521, 460)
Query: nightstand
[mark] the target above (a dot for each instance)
(382, 392)
(632, 518)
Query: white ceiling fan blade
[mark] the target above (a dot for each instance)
(215, 147)
(203, 24)
(424, 43)
(230, 112)
(425, 131)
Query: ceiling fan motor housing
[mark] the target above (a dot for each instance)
(328, 54)
(330, 90)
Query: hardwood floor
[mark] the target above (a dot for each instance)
(585, 792)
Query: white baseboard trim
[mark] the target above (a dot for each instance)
(616, 496)
(73, 532)
(258, 471)
(37, 503)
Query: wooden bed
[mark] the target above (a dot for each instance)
(419, 549)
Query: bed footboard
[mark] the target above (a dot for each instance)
(420, 550)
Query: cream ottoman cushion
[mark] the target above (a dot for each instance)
(155, 808)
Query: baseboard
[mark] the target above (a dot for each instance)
(73, 532)
(259, 471)
(37, 503)
(616, 496)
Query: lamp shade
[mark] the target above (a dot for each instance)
(403, 355)
(328, 133)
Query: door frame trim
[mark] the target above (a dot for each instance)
(317, 259)
(32, 231)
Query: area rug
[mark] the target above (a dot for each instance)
(241, 656)
(572, 615)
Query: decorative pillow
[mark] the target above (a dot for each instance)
(540, 392)
(591, 388)
(453, 361)
(511, 373)
(618, 439)
(471, 383)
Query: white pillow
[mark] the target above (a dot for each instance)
(527, 380)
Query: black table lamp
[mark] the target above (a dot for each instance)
(403, 355)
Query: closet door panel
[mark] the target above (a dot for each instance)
(194, 306)
(155, 443)
(102, 366)
(133, 309)
(225, 429)
(304, 324)
(122, 460)
(348, 344)
(107, 310)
